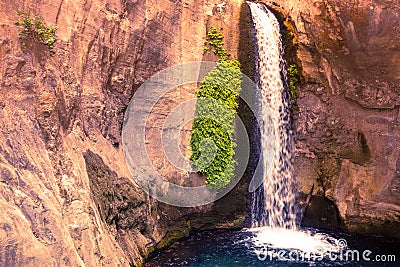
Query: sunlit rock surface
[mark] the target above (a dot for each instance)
(66, 196)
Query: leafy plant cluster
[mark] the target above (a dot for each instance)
(294, 82)
(212, 141)
(214, 43)
(33, 27)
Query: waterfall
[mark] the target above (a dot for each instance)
(273, 202)
(272, 208)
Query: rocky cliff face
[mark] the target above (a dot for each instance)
(347, 128)
(66, 194)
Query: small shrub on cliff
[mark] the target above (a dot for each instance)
(212, 142)
(293, 76)
(33, 27)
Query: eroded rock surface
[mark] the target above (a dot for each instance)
(66, 196)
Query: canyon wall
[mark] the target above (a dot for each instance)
(66, 195)
(347, 126)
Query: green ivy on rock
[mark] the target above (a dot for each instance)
(212, 142)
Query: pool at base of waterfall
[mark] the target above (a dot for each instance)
(261, 247)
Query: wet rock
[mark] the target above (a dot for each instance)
(321, 213)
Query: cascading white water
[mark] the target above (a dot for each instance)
(272, 204)
(273, 214)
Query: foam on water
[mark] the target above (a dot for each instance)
(305, 241)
